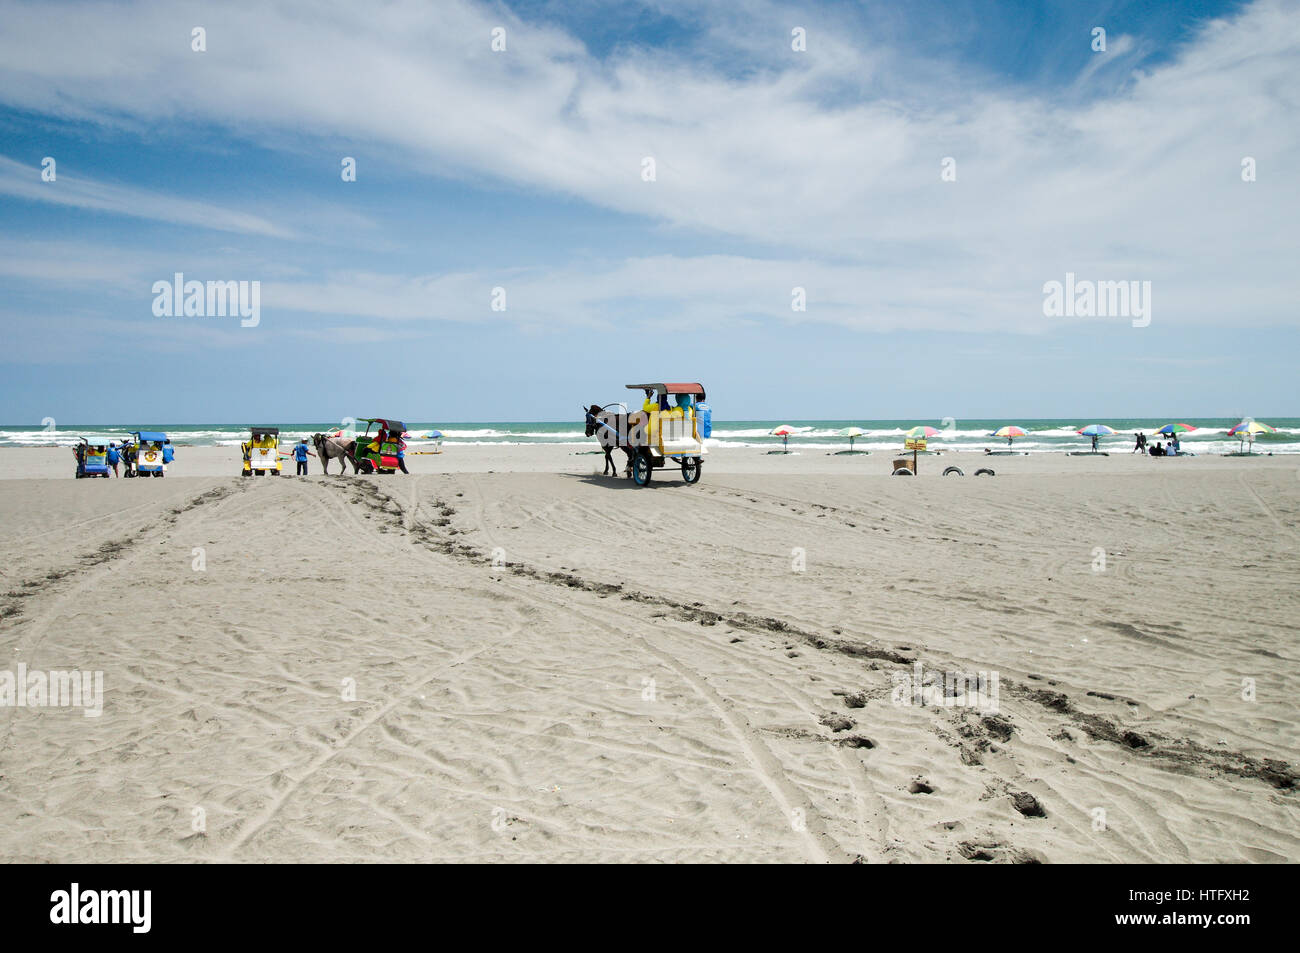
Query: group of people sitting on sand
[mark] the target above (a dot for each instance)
(1160, 449)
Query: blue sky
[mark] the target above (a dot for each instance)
(522, 169)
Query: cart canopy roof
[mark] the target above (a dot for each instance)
(264, 431)
(157, 435)
(696, 389)
(387, 423)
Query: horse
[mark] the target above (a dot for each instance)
(611, 430)
(341, 448)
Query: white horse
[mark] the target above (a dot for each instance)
(335, 447)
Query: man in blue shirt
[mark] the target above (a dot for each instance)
(112, 458)
(300, 455)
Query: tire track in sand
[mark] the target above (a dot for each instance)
(765, 766)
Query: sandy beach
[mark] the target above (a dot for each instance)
(508, 657)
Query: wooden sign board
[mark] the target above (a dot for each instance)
(914, 443)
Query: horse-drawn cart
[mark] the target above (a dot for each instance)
(381, 452)
(262, 451)
(92, 459)
(667, 431)
(146, 453)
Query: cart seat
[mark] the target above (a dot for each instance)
(678, 433)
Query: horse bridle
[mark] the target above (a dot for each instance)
(594, 418)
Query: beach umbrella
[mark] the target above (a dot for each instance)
(433, 435)
(852, 433)
(783, 432)
(1176, 428)
(1094, 431)
(1247, 429)
(1010, 431)
(1251, 427)
(925, 432)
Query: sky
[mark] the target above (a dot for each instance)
(920, 172)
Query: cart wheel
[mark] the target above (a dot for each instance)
(641, 469)
(951, 470)
(691, 467)
(984, 470)
(365, 466)
(903, 471)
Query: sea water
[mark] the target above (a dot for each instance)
(808, 435)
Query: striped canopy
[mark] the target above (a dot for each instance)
(923, 432)
(1009, 431)
(1248, 428)
(1176, 428)
(1096, 430)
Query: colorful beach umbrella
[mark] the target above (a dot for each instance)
(1010, 431)
(783, 432)
(923, 432)
(1176, 428)
(1094, 431)
(1248, 429)
(852, 433)
(433, 435)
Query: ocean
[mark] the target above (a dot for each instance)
(809, 435)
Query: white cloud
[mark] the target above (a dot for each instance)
(68, 188)
(1140, 184)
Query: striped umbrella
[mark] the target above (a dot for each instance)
(1176, 428)
(923, 432)
(783, 432)
(1010, 431)
(1248, 429)
(1251, 427)
(1094, 431)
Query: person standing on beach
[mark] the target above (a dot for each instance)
(300, 455)
(112, 457)
(1094, 443)
(1137, 443)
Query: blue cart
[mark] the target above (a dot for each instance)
(92, 459)
(146, 453)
